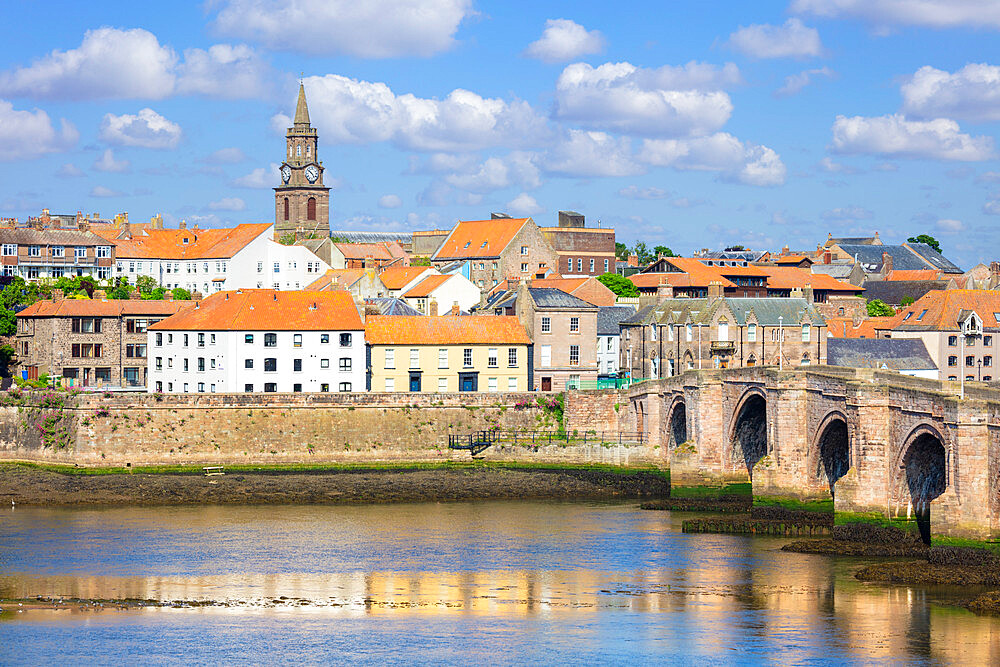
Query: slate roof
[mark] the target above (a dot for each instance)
(609, 317)
(265, 309)
(64, 237)
(838, 271)
(893, 291)
(549, 297)
(899, 354)
(446, 330)
(393, 306)
(854, 240)
(103, 308)
(933, 257)
(768, 310)
(371, 237)
(907, 257)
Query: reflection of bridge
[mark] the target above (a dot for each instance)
(882, 443)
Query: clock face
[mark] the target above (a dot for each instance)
(286, 173)
(312, 173)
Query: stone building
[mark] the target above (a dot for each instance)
(301, 202)
(368, 255)
(582, 250)
(675, 335)
(53, 253)
(90, 342)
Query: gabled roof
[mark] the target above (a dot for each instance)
(892, 292)
(336, 279)
(426, 286)
(913, 274)
(398, 277)
(479, 238)
(445, 330)
(548, 297)
(103, 308)
(187, 244)
(766, 311)
(382, 251)
(944, 308)
(700, 280)
(789, 277)
(845, 327)
(792, 259)
(393, 306)
(837, 270)
(609, 318)
(265, 309)
(568, 285)
(906, 257)
(899, 354)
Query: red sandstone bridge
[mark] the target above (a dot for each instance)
(881, 444)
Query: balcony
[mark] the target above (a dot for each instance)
(723, 347)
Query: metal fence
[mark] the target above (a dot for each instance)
(551, 437)
(606, 383)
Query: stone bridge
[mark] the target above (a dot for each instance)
(882, 445)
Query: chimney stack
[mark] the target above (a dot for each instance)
(633, 260)
(99, 294)
(182, 224)
(168, 296)
(995, 268)
(886, 263)
(454, 308)
(432, 308)
(58, 295)
(715, 290)
(664, 291)
(134, 295)
(807, 293)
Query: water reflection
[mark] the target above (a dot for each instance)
(610, 576)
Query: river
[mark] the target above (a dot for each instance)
(489, 582)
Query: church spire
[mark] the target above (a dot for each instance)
(301, 110)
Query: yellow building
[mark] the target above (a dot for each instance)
(447, 354)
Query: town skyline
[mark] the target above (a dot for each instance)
(773, 125)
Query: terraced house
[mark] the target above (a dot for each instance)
(53, 253)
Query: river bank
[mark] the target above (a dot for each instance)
(50, 486)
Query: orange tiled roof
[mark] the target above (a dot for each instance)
(426, 286)
(398, 277)
(103, 308)
(379, 251)
(265, 309)
(844, 327)
(702, 274)
(789, 277)
(567, 285)
(676, 279)
(335, 279)
(791, 259)
(913, 274)
(171, 244)
(943, 308)
(445, 330)
(479, 238)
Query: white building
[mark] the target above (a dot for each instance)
(260, 341)
(213, 260)
(609, 337)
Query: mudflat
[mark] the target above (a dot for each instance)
(26, 485)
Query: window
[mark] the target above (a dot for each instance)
(325, 338)
(185, 387)
(512, 357)
(414, 357)
(988, 340)
(170, 362)
(325, 387)
(512, 384)
(104, 251)
(270, 340)
(185, 340)
(591, 264)
(574, 355)
(652, 332)
(345, 386)
(390, 358)
(201, 387)
(297, 340)
(10, 250)
(953, 360)
(311, 209)
(952, 377)
(493, 358)
(390, 384)
(345, 340)
(546, 355)
(524, 250)
(135, 351)
(270, 387)
(79, 252)
(270, 365)
(443, 357)
(324, 363)
(86, 325)
(58, 251)
(185, 365)
(970, 360)
(248, 338)
(297, 365)
(987, 378)
(467, 357)
(277, 267)
(297, 387)
(492, 384)
(921, 315)
(159, 363)
(606, 266)
(201, 340)
(805, 333)
(751, 333)
(690, 333)
(442, 385)
(987, 361)
(574, 325)
(248, 363)
(34, 251)
(546, 325)
(952, 341)
(345, 364)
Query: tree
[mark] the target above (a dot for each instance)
(287, 239)
(879, 308)
(663, 250)
(119, 290)
(906, 301)
(145, 284)
(620, 285)
(926, 238)
(621, 250)
(642, 250)
(181, 294)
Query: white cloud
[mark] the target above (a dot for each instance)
(949, 226)
(496, 173)
(261, 178)
(827, 164)
(227, 204)
(524, 204)
(887, 13)
(351, 111)
(69, 170)
(791, 40)
(390, 201)
(669, 101)
(109, 63)
(146, 129)
(224, 70)
(723, 153)
(635, 192)
(30, 134)
(226, 156)
(794, 83)
(992, 207)
(895, 136)
(370, 29)
(439, 163)
(564, 40)
(847, 214)
(972, 93)
(101, 191)
(108, 163)
(587, 154)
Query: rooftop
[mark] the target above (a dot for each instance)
(265, 309)
(445, 330)
(104, 307)
(899, 354)
(398, 277)
(335, 279)
(939, 310)
(479, 238)
(426, 286)
(185, 244)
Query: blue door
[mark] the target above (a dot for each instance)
(414, 382)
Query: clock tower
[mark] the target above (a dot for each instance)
(301, 202)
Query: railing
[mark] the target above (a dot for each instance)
(607, 383)
(476, 442)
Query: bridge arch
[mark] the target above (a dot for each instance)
(748, 430)
(677, 429)
(832, 447)
(920, 475)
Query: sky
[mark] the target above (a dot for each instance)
(691, 125)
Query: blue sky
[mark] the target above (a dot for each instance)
(687, 124)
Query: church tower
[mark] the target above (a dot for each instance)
(301, 202)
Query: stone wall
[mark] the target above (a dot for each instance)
(144, 429)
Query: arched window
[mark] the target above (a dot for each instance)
(805, 359)
(286, 208)
(751, 360)
(298, 150)
(309, 150)
(311, 209)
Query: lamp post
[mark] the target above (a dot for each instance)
(781, 335)
(979, 374)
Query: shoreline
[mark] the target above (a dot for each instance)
(39, 485)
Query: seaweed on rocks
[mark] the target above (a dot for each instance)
(872, 534)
